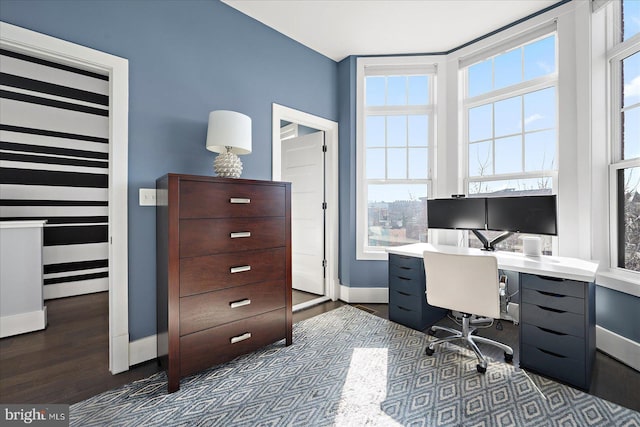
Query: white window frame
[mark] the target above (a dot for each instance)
(493, 96)
(387, 66)
(617, 51)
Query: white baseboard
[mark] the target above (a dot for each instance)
(618, 347)
(142, 350)
(69, 289)
(23, 322)
(364, 295)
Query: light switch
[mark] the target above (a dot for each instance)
(148, 197)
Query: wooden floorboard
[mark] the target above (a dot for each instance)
(68, 362)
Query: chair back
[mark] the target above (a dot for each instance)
(464, 283)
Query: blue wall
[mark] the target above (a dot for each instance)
(186, 58)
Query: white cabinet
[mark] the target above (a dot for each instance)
(21, 302)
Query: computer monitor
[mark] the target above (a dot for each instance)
(456, 213)
(523, 214)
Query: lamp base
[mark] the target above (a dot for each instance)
(227, 165)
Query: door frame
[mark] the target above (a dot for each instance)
(47, 47)
(330, 128)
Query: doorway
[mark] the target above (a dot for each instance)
(48, 48)
(310, 162)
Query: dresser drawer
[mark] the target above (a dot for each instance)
(213, 346)
(198, 312)
(200, 199)
(555, 301)
(211, 236)
(406, 300)
(556, 342)
(553, 285)
(406, 261)
(563, 368)
(209, 273)
(559, 321)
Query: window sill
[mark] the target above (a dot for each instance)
(619, 281)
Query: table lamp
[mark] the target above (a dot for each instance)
(229, 134)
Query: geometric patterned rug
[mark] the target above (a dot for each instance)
(347, 367)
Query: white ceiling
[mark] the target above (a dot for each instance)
(338, 28)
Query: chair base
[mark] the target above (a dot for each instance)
(467, 336)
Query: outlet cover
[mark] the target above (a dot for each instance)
(148, 197)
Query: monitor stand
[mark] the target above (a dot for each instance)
(490, 245)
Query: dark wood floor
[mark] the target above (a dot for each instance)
(68, 362)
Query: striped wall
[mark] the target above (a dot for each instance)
(54, 165)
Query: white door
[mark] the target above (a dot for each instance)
(303, 166)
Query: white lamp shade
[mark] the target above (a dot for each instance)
(229, 129)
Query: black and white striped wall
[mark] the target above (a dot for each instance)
(54, 165)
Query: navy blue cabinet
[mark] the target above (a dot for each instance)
(557, 328)
(407, 300)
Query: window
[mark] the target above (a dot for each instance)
(624, 57)
(509, 109)
(395, 151)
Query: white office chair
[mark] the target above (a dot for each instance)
(468, 284)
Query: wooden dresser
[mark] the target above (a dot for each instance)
(223, 270)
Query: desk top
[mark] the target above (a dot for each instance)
(553, 266)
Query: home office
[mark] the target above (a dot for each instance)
(186, 59)
(556, 295)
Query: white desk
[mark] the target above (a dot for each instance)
(557, 306)
(552, 266)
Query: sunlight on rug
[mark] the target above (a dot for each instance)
(349, 368)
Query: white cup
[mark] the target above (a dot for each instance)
(531, 246)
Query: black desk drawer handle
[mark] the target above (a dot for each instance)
(551, 353)
(551, 309)
(550, 331)
(404, 293)
(402, 308)
(403, 278)
(551, 294)
(553, 279)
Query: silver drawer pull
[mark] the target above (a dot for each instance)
(240, 303)
(240, 269)
(240, 234)
(242, 337)
(240, 200)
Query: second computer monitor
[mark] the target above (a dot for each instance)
(524, 214)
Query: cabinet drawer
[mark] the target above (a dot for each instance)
(406, 316)
(200, 199)
(553, 285)
(556, 342)
(211, 236)
(558, 302)
(213, 346)
(565, 369)
(405, 261)
(404, 299)
(406, 273)
(209, 273)
(559, 321)
(198, 312)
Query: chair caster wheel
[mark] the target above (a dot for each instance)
(508, 357)
(481, 369)
(428, 351)
(431, 332)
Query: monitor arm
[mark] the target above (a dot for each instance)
(490, 245)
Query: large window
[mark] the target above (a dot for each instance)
(510, 112)
(395, 150)
(624, 56)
